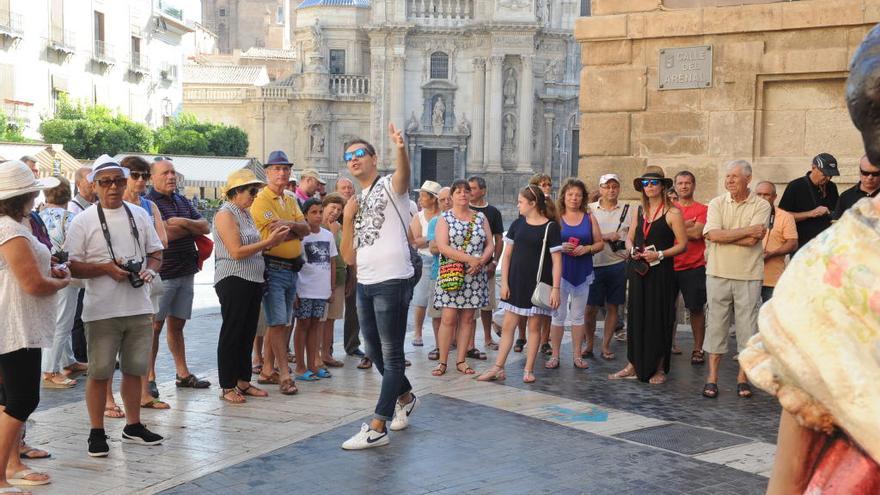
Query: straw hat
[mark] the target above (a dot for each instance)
(430, 187)
(652, 172)
(242, 177)
(16, 179)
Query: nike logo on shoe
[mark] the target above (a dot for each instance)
(370, 439)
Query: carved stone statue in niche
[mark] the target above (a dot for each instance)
(464, 126)
(317, 36)
(510, 87)
(316, 139)
(556, 143)
(551, 71)
(509, 130)
(438, 115)
(413, 124)
(543, 12)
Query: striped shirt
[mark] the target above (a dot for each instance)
(180, 258)
(250, 268)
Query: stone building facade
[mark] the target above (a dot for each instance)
(480, 87)
(776, 95)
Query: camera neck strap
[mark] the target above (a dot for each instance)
(106, 230)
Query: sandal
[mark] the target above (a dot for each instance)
(608, 356)
(659, 378)
(467, 369)
(588, 355)
(476, 354)
(291, 357)
(552, 363)
(58, 381)
(710, 390)
(288, 387)
(528, 376)
(492, 345)
(30, 453)
(697, 357)
(155, 404)
(624, 374)
(191, 381)
(232, 396)
(546, 349)
(333, 363)
(744, 390)
(113, 412)
(440, 370)
(434, 355)
(676, 349)
(323, 373)
(308, 376)
(365, 364)
(256, 369)
(251, 391)
(153, 388)
(518, 345)
(418, 342)
(581, 363)
(273, 379)
(493, 374)
(21, 478)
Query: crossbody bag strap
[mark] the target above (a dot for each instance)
(399, 216)
(543, 250)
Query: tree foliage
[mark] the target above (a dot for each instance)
(185, 135)
(88, 132)
(11, 130)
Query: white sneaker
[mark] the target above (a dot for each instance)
(367, 438)
(402, 412)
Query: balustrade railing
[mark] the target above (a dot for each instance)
(441, 12)
(348, 85)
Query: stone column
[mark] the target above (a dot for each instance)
(548, 142)
(398, 92)
(495, 117)
(526, 106)
(479, 105)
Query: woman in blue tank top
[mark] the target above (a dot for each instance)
(580, 239)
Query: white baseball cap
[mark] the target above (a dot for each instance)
(105, 163)
(605, 178)
(16, 179)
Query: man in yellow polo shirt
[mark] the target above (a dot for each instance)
(271, 207)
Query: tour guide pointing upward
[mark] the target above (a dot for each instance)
(379, 215)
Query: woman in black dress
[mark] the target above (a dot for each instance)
(656, 236)
(519, 271)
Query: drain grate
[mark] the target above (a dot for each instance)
(684, 439)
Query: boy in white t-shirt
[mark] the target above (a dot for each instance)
(313, 290)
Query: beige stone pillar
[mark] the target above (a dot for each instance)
(548, 142)
(526, 107)
(495, 117)
(479, 105)
(398, 92)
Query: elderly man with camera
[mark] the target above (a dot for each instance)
(114, 247)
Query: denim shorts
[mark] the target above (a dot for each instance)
(609, 285)
(177, 298)
(310, 308)
(279, 297)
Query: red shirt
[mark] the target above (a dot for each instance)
(694, 257)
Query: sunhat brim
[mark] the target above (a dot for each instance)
(36, 186)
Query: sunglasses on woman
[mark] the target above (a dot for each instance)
(252, 190)
(140, 175)
(650, 182)
(358, 153)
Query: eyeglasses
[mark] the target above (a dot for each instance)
(650, 182)
(869, 174)
(253, 190)
(106, 183)
(358, 153)
(140, 175)
(162, 158)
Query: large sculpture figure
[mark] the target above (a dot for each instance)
(509, 90)
(438, 115)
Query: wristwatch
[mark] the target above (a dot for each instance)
(660, 255)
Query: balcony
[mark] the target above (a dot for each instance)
(169, 9)
(168, 72)
(62, 40)
(102, 53)
(347, 85)
(139, 65)
(169, 17)
(441, 13)
(11, 25)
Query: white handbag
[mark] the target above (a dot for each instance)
(541, 295)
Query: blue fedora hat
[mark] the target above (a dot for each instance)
(277, 157)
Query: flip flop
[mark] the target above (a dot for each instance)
(155, 404)
(20, 478)
(710, 390)
(365, 364)
(323, 373)
(31, 453)
(334, 363)
(418, 342)
(608, 356)
(744, 390)
(308, 376)
(114, 412)
(62, 384)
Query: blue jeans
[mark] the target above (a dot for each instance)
(382, 313)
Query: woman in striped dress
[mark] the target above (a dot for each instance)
(238, 281)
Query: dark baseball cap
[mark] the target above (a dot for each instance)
(827, 164)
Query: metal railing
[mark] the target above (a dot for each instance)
(140, 63)
(62, 39)
(103, 52)
(11, 23)
(170, 9)
(440, 12)
(348, 85)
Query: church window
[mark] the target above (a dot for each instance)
(439, 65)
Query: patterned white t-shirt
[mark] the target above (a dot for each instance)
(380, 238)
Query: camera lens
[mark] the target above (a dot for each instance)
(135, 280)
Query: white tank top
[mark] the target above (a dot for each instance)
(424, 223)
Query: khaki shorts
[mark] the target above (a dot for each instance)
(432, 311)
(492, 303)
(726, 297)
(336, 309)
(128, 337)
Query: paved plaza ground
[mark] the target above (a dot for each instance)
(572, 431)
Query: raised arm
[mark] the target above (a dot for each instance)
(400, 178)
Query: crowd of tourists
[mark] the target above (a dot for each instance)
(93, 278)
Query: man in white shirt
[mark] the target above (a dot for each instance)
(114, 247)
(85, 193)
(374, 236)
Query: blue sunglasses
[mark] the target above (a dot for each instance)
(652, 182)
(358, 153)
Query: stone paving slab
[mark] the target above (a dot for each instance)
(454, 446)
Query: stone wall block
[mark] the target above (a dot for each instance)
(597, 28)
(831, 131)
(609, 7)
(782, 133)
(609, 134)
(649, 124)
(627, 167)
(612, 90)
(679, 100)
(636, 26)
(672, 145)
(828, 60)
(607, 52)
(872, 11)
(731, 133)
(814, 13)
(742, 18)
(674, 23)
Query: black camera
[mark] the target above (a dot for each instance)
(61, 256)
(618, 245)
(134, 269)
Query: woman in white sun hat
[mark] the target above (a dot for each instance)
(28, 283)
